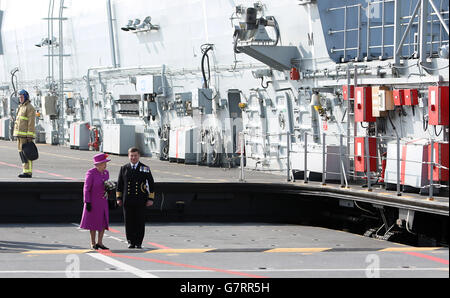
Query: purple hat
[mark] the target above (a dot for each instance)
(101, 158)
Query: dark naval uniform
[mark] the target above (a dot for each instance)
(134, 188)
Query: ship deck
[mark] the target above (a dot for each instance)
(57, 164)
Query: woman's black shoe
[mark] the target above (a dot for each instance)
(94, 246)
(101, 246)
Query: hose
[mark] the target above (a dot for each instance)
(14, 94)
(277, 29)
(13, 74)
(435, 131)
(205, 49)
(235, 42)
(393, 126)
(262, 83)
(424, 122)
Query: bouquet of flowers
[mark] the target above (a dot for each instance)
(110, 194)
(110, 185)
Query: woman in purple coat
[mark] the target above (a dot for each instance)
(95, 212)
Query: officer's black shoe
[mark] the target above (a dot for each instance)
(131, 246)
(139, 246)
(23, 175)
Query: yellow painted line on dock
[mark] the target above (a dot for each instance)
(215, 180)
(57, 251)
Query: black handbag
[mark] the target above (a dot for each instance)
(112, 201)
(30, 151)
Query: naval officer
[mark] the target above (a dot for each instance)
(135, 191)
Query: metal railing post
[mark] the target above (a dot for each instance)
(345, 34)
(324, 170)
(358, 55)
(305, 177)
(288, 162)
(398, 167)
(430, 195)
(341, 171)
(367, 153)
(368, 32)
(423, 31)
(397, 32)
(241, 177)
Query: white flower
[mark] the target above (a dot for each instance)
(110, 185)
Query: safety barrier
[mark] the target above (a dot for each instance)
(370, 159)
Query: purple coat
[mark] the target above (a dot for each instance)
(94, 190)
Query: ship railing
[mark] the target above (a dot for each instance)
(378, 39)
(372, 176)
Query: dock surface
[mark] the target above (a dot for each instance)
(199, 250)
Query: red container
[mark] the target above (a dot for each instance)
(346, 92)
(440, 153)
(399, 97)
(363, 105)
(360, 154)
(295, 75)
(411, 97)
(438, 105)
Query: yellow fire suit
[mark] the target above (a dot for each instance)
(24, 130)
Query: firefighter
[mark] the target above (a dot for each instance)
(24, 130)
